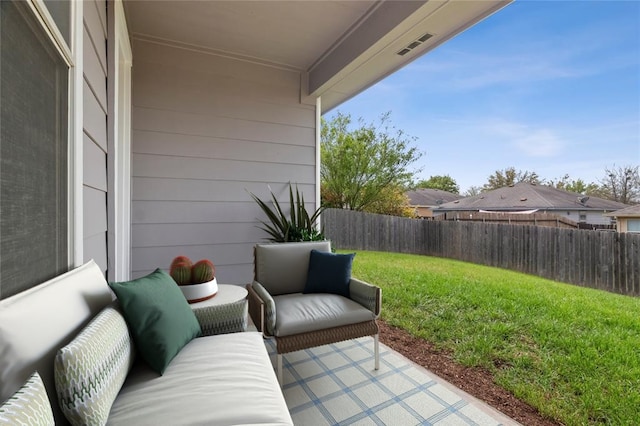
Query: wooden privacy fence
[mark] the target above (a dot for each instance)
(538, 219)
(597, 259)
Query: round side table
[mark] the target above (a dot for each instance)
(227, 293)
(226, 312)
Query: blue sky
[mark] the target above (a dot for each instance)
(546, 86)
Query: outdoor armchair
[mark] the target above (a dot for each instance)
(296, 320)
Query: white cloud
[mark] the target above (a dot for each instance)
(540, 143)
(530, 140)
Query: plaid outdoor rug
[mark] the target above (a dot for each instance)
(337, 385)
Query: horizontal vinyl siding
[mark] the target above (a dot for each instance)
(95, 133)
(207, 131)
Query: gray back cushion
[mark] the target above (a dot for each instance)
(281, 268)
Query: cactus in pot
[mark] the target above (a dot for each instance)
(202, 271)
(197, 281)
(181, 270)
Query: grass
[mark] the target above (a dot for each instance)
(571, 352)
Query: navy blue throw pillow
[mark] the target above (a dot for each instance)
(329, 273)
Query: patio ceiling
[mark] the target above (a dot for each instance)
(340, 47)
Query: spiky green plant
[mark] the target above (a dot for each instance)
(298, 226)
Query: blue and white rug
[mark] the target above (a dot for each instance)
(337, 385)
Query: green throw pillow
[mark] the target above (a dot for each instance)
(329, 273)
(159, 317)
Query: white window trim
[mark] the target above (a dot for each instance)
(72, 56)
(119, 145)
(76, 145)
(318, 151)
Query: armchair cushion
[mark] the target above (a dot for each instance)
(302, 313)
(329, 273)
(282, 268)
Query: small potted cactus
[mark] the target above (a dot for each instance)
(196, 280)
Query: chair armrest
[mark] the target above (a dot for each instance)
(262, 308)
(366, 294)
(222, 319)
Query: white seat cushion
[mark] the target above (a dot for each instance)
(301, 313)
(215, 380)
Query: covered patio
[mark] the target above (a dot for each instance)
(227, 99)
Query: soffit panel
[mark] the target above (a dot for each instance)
(289, 33)
(342, 47)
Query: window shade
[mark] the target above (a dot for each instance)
(33, 153)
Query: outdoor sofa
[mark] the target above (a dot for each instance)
(67, 353)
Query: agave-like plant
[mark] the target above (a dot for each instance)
(298, 226)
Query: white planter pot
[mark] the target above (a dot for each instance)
(198, 292)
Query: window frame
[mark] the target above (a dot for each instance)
(71, 55)
(634, 221)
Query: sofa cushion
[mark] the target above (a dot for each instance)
(226, 379)
(329, 273)
(28, 406)
(282, 268)
(158, 315)
(301, 313)
(36, 323)
(90, 370)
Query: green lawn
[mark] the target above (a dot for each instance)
(572, 352)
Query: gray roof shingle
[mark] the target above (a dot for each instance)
(633, 211)
(430, 197)
(527, 196)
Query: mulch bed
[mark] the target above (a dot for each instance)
(475, 381)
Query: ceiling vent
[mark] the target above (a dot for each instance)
(415, 44)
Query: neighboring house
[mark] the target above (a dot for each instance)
(526, 197)
(132, 133)
(424, 200)
(627, 219)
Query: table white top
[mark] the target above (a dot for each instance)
(227, 293)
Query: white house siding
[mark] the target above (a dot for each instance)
(95, 132)
(594, 218)
(207, 130)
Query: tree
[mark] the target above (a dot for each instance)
(393, 201)
(574, 185)
(621, 184)
(357, 166)
(444, 183)
(510, 176)
(472, 191)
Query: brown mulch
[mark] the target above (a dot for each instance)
(475, 381)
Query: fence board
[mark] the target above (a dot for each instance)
(599, 259)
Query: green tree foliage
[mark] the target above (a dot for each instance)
(621, 184)
(444, 183)
(472, 191)
(510, 176)
(393, 201)
(578, 186)
(359, 165)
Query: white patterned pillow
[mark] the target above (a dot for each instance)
(28, 406)
(90, 370)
